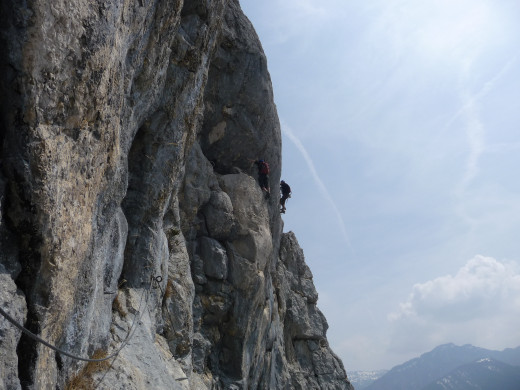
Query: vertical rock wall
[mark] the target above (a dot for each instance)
(130, 213)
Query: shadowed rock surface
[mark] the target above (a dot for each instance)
(126, 133)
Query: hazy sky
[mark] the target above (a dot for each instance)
(401, 142)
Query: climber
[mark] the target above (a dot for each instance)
(286, 193)
(263, 176)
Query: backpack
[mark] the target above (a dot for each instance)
(264, 168)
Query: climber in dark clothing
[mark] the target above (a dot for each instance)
(286, 193)
(263, 176)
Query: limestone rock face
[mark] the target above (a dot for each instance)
(12, 302)
(313, 364)
(131, 220)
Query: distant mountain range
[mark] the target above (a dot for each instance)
(361, 379)
(482, 374)
(451, 367)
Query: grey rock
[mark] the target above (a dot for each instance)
(253, 239)
(233, 113)
(145, 361)
(201, 347)
(198, 185)
(199, 276)
(214, 258)
(218, 213)
(128, 202)
(12, 301)
(179, 293)
(296, 270)
(311, 362)
(249, 205)
(242, 272)
(306, 320)
(9, 249)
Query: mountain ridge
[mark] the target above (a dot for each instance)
(482, 374)
(433, 365)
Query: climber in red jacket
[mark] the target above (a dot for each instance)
(263, 176)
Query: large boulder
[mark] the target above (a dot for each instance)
(214, 257)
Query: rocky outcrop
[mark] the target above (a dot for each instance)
(131, 220)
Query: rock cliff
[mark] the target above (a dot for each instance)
(131, 219)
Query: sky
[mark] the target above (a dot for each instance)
(401, 142)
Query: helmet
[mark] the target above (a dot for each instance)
(282, 182)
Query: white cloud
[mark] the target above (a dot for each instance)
(479, 305)
(482, 287)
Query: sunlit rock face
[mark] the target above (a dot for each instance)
(130, 211)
